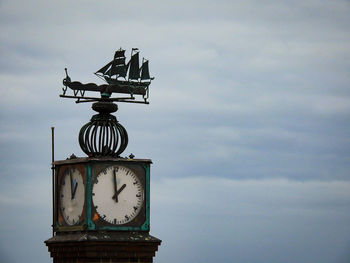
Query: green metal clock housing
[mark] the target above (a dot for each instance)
(110, 194)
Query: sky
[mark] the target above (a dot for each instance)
(248, 124)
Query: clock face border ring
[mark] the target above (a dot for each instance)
(141, 220)
(79, 193)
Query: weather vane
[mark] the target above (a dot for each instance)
(121, 77)
(104, 135)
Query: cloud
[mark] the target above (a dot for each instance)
(266, 89)
(280, 220)
(243, 91)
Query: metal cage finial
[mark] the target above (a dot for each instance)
(103, 135)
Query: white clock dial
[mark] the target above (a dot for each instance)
(72, 196)
(117, 195)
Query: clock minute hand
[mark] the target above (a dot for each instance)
(75, 188)
(71, 184)
(115, 196)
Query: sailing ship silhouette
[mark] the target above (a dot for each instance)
(132, 74)
(121, 77)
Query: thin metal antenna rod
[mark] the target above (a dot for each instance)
(53, 177)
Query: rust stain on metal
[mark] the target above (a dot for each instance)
(95, 218)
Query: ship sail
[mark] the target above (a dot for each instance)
(134, 71)
(104, 69)
(145, 71)
(116, 66)
(119, 53)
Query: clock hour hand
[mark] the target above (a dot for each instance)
(115, 196)
(121, 189)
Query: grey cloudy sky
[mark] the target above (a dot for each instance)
(248, 125)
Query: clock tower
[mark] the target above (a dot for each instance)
(101, 202)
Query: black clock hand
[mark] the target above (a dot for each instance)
(121, 189)
(71, 184)
(75, 189)
(115, 196)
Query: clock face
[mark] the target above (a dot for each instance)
(72, 196)
(117, 195)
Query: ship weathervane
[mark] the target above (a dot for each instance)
(104, 135)
(125, 78)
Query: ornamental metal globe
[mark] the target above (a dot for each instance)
(103, 136)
